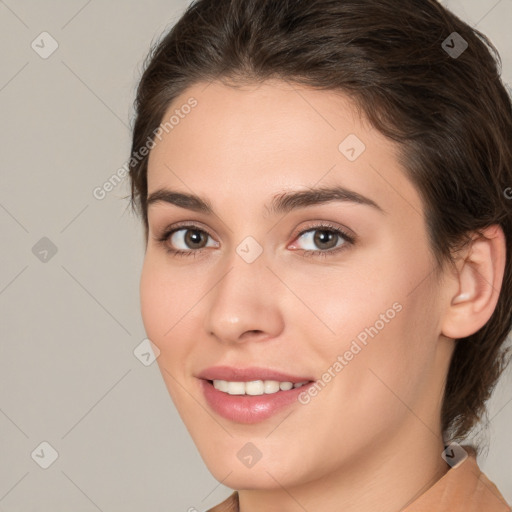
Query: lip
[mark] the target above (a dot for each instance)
(249, 409)
(233, 374)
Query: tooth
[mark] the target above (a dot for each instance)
(271, 386)
(254, 387)
(221, 385)
(236, 388)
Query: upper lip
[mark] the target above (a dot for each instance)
(233, 374)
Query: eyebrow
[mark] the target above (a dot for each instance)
(280, 203)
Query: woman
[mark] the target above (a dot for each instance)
(327, 274)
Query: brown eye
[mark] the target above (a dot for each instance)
(186, 239)
(323, 238)
(195, 238)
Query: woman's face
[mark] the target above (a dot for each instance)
(359, 314)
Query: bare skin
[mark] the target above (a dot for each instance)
(371, 438)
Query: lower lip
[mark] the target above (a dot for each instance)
(249, 408)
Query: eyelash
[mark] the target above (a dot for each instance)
(349, 240)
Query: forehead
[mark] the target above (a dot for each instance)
(247, 143)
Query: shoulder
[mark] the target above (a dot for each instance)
(228, 505)
(464, 488)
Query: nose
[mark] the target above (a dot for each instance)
(244, 305)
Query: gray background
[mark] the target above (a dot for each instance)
(71, 321)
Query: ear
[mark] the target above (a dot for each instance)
(475, 291)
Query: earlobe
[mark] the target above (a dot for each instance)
(479, 282)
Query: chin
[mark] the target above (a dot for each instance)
(263, 474)
(258, 477)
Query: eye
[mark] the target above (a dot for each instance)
(328, 238)
(190, 237)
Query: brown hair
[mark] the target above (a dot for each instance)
(450, 115)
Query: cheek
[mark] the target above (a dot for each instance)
(163, 309)
(163, 303)
(382, 321)
(359, 300)
(152, 302)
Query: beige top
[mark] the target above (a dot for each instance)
(463, 488)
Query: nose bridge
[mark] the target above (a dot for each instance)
(240, 301)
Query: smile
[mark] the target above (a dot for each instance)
(254, 387)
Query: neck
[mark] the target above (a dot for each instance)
(387, 477)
